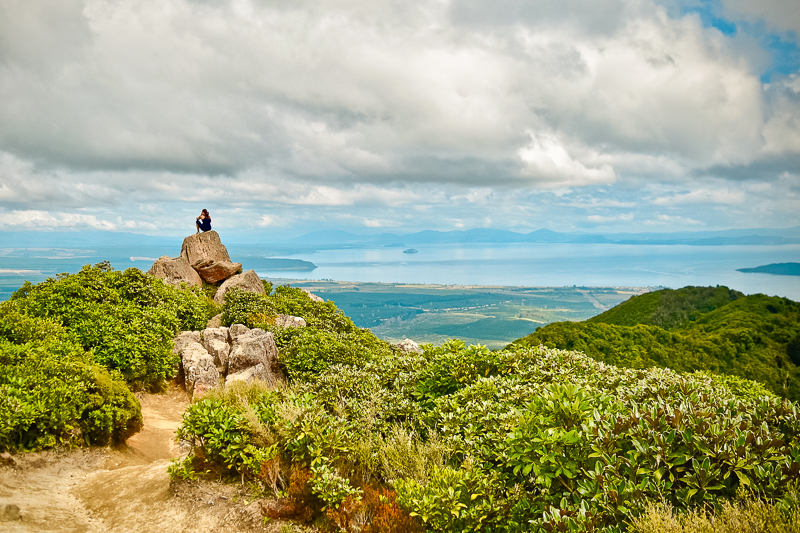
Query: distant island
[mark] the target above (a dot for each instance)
(288, 264)
(778, 269)
(410, 251)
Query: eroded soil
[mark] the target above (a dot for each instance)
(101, 490)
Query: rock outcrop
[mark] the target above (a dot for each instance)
(409, 346)
(289, 321)
(247, 281)
(215, 321)
(200, 374)
(215, 271)
(202, 246)
(204, 258)
(313, 296)
(217, 356)
(175, 271)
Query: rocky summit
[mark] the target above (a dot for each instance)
(204, 258)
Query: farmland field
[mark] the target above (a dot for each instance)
(492, 316)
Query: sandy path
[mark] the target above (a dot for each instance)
(110, 491)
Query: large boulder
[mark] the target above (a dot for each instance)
(258, 372)
(175, 271)
(253, 348)
(214, 271)
(215, 341)
(289, 321)
(184, 338)
(409, 346)
(199, 370)
(247, 281)
(204, 245)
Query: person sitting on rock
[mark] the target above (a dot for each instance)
(203, 222)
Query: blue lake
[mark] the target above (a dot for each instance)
(559, 265)
(463, 264)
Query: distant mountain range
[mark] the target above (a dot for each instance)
(337, 239)
(344, 239)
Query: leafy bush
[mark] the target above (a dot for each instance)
(524, 439)
(243, 307)
(127, 319)
(51, 390)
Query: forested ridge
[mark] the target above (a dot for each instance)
(695, 328)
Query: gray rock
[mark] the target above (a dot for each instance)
(216, 271)
(236, 330)
(175, 271)
(183, 338)
(313, 296)
(11, 513)
(258, 372)
(247, 281)
(215, 322)
(251, 349)
(289, 321)
(215, 341)
(204, 245)
(409, 346)
(199, 370)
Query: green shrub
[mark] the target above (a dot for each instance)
(243, 307)
(515, 440)
(127, 319)
(53, 393)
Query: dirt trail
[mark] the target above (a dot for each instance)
(111, 491)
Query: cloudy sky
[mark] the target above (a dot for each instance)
(296, 115)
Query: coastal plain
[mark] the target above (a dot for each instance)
(477, 314)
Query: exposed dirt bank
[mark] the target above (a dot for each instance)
(109, 491)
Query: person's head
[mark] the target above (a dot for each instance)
(205, 212)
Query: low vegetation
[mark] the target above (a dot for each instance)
(367, 438)
(696, 328)
(467, 439)
(73, 347)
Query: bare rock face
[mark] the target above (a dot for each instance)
(289, 321)
(200, 372)
(252, 348)
(175, 271)
(204, 246)
(183, 339)
(313, 296)
(214, 271)
(236, 330)
(409, 346)
(258, 372)
(237, 353)
(215, 341)
(215, 322)
(248, 282)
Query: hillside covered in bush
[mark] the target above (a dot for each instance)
(695, 328)
(365, 437)
(73, 347)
